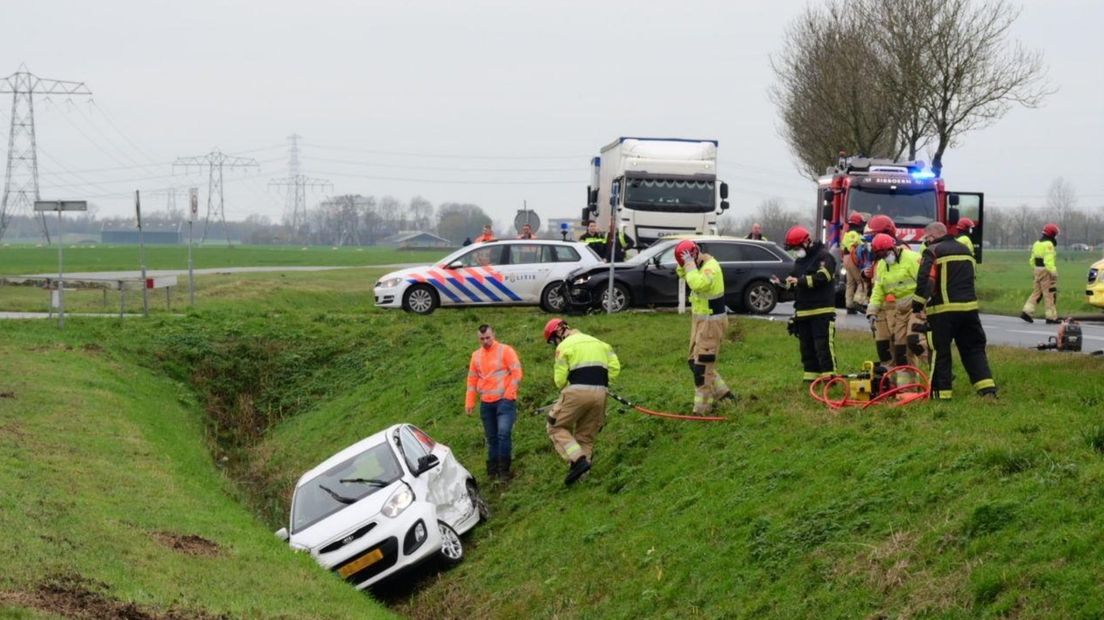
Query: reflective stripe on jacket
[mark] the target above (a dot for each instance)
(584, 360)
(1043, 254)
(898, 279)
(945, 281)
(706, 287)
(816, 292)
(494, 373)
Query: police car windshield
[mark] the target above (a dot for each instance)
(340, 485)
(916, 208)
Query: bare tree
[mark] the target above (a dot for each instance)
(1060, 203)
(421, 213)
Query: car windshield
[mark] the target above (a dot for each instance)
(677, 195)
(915, 208)
(646, 254)
(344, 484)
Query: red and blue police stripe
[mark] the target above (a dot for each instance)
(478, 284)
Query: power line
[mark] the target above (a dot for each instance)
(215, 161)
(449, 181)
(297, 185)
(582, 158)
(366, 164)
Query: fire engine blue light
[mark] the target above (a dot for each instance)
(923, 174)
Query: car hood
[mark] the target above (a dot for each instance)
(404, 273)
(346, 520)
(603, 268)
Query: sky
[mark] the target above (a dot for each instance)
(498, 103)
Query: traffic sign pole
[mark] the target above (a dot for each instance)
(192, 211)
(59, 206)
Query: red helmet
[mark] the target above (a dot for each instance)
(856, 218)
(883, 224)
(551, 327)
(796, 236)
(882, 243)
(1051, 230)
(685, 246)
(964, 224)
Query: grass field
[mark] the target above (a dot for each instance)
(112, 430)
(1004, 281)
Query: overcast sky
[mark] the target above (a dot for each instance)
(485, 102)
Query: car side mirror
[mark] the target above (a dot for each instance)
(282, 534)
(454, 265)
(427, 463)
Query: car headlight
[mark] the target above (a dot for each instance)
(583, 279)
(389, 282)
(298, 547)
(399, 501)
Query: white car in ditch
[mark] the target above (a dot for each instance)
(507, 272)
(384, 504)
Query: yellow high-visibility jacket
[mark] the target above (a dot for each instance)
(584, 360)
(851, 239)
(1043, 254)
(706, 286)
(898, 279)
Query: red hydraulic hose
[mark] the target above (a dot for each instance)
(663, 414)
(902, 394)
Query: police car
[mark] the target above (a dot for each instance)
(506, 272)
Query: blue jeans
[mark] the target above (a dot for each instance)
(498, 427)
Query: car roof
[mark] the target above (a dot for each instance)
(716, 238)
(349, 452)
(527, 241)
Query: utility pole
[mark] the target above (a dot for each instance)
(215, 161)
(295, 214)
(21, 181)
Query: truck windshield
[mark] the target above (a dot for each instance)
(906, 208)
(678, 195)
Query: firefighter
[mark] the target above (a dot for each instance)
(583, 368)
(855, 295)
(488, 234)
(945, 292)
(882, 338)
(756, 233)
(708, 323)
(494, 375)
(595, 239)
(1043, 255)
(894, 289)
(814, 302)
(965, 227)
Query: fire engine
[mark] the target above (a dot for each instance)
(908, 192)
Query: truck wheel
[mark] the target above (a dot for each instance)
(554, 298)
(420, 299)
(760, 297)
(621, 298)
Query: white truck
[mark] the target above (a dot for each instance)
(658, 186)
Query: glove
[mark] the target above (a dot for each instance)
(688, 261)
(791, 327)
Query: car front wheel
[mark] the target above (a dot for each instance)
(760, 297)
(621, 299)
(553, 297)
(420, 299)
(452, 550)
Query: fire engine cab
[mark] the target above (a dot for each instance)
(908, 192)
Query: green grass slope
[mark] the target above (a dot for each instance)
(1005, 278)
(111, 505)
(961, 509)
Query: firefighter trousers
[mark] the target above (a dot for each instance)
(706, 334)
(909, 346)
(883, 344)
(1045, 288)
(817, 335)
(575, 419)
(855, 293)
(965, 330)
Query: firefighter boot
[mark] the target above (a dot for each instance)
(578, 468)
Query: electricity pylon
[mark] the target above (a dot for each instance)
(215, 161)
(295, 214)
(22, 171)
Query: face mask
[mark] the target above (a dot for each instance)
(890, 258)
(799, 253)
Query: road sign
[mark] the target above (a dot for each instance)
(193, 211)
(61, 205)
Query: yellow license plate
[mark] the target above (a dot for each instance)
(362, 562)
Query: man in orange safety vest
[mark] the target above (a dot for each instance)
(494, 374)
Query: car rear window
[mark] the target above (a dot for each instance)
(525, 254)
(560, 254)
(739, 252)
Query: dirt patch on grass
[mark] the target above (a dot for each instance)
(188, 544)
(7, 394)
(73, 596)
(12, 430)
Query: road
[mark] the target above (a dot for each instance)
(1003, 330)
(160, 273)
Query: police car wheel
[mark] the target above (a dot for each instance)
(554, 297)
(420, 299)
(759, 297)
(621, 299)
